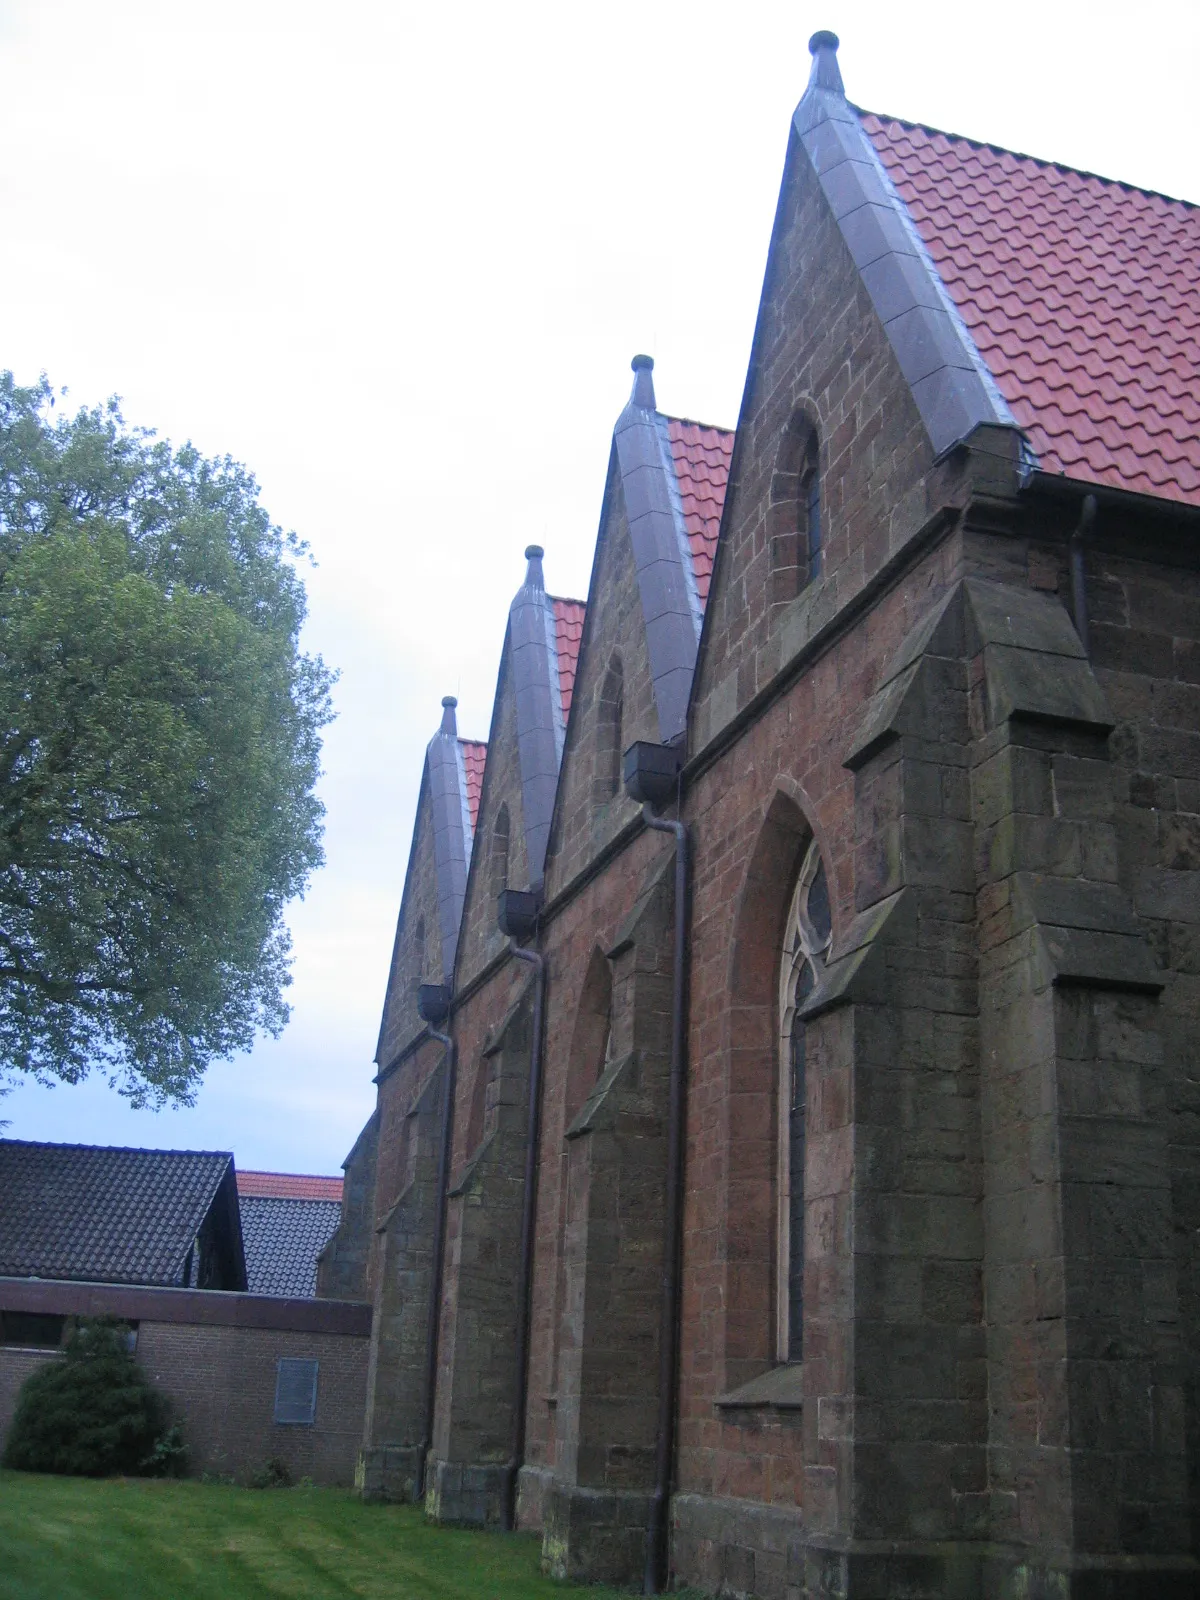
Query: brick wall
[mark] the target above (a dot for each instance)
(215, 1357)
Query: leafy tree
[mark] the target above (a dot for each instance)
(93, 1414)
(159, 747)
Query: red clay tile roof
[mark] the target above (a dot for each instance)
(474, 755)
(701, 457)
(287, 1186)
(1083, 296)
(568, 630)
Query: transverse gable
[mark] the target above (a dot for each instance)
(435, 882)
(821, 360)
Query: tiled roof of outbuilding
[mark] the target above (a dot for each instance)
(103, 1215)
(288, 1186)
(568, 630)
(701, 456)
(282, 1239)
(474, 759)
(1082, 295)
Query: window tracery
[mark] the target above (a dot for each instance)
(807, 938)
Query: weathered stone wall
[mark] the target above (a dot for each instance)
(473, 1427)
(481, 940)
(600, 1223)
(614, 629)
(1000, 1390)
(344, 1264)
(416, 953)
(410, 1129)
(820, 348)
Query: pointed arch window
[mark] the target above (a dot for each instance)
(419, 949)
(499, 853)
(609, 733)
(797, 520)
(805, 949)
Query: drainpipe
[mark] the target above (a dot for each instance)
(533, 1119)
(1087, 518)
(668, 1332)
(435, 1010)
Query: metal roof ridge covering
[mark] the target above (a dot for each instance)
(452, 831)
(537, 687)
(661, 551)
(953, 387)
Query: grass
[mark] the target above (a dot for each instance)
(127, 1539)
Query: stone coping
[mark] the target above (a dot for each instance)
(781, 1389)
(218, 1307)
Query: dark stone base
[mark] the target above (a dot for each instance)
(887, 1571)
(595, 1535)
(388, 1472)
(869, 1571)
(737, 1547)
(1017, 1577)
(464, 1493)
(747, 1551)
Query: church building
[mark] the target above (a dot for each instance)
(785, 1176)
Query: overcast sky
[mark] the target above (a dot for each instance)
(396, 257)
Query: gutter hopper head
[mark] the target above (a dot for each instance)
(825, 71)
(433, 1003)
(643, 383)
(517, 913)
(651, 772)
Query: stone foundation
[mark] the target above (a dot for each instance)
(737, 1548)
(468, 1494)
(388, 1472)
(595, 1535)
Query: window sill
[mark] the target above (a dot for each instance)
(781, 1389)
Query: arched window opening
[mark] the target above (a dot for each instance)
(591, 1043)
(499, 854)
(419, 949)
(609, 720)
(805, 947)
(812, 508)
(477, 1118)
(797, 524)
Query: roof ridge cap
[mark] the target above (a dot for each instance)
(1024, 155)
(264, 1172)
(569, 599)
(694, 422)
(115, 1149)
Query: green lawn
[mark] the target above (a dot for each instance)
(117, 1539)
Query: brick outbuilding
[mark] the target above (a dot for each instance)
(928, 711)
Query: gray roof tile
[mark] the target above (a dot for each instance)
(282, 1239)
(103, 1215)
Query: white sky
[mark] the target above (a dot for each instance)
(396, 258)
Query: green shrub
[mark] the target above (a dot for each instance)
(275, 1474)
(94, 1413)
